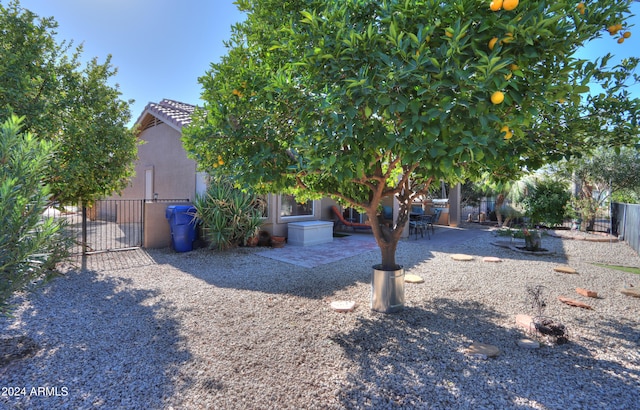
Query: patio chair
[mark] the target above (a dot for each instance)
(344, 222)
(418, 221)
(430, 219)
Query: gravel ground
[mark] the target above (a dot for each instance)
(159, 330)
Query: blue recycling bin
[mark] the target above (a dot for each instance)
(183, 226)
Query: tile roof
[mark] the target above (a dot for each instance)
(174, 113)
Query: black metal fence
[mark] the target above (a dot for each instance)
(105, 226)
(108, 225)
(485, 211)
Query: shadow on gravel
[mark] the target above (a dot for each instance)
(99, 344)
(416, 359)
(240, 269)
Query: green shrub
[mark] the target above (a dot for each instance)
(229, 216)
(30, 244)
(546, 201)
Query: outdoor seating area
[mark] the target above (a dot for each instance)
(420, 222)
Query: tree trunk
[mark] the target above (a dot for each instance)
(499, 203)
(387, 239)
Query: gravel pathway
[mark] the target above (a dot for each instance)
(234, 330)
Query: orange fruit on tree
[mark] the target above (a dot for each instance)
(513, 67)
(495, 5)
(507, 39)
(492, 43)
(621, 40)
(497, 97)
(507, 132)
(627, 34)
(510, 4)
(446, 33)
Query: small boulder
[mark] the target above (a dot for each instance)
(528, 344)
(343, 305)
(586, 292)
(631, 291)
(491, 259)
(409, 278)
(483, 349)
(572, 302)
(525, 322)
(461, 257)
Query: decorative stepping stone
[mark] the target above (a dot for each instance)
(631, 291)
(491, 259)
(413, 279)
(483, 350)
(343, 305)
(565, 269)
(572, 302)
(525, 322)
(461, 257)
(586, 292)
(528, 344)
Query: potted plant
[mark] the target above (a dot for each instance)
(278, 241)
(532, 239)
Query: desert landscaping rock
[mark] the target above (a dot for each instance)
(528, 344)
(525, 322)
(410, 278)
(631, 291)
(586, 292)
(234, 330)
(565, 269)
(575, 303)
(491, 259)
(343, 305)
(483, 349)
(461, 257)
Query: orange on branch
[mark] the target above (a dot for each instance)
(497, 97)
(507, 132)
(621, 40)
(495, 5)
(510, 4)
(492, 43)
(627, 34)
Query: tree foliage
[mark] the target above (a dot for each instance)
(361, 100)
(73, 106)
(30, 245)
(545, 202)
(605, 173)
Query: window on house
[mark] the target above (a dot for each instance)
(290, 207)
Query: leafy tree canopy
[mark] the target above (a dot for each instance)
(30, 245)
(75, 107)
(362, 100)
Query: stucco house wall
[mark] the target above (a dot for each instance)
(163, 170)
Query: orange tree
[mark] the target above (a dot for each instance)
(361, 100)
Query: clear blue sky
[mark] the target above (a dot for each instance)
(161, 47)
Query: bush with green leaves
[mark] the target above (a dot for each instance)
(30, 245)
(229, 216)
(546, 201)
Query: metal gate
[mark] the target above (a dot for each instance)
(108, 225)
